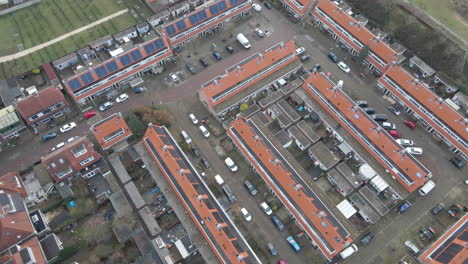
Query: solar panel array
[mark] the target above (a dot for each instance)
(101, 71)
(112, 66)
(198, 17)
(136, 55)
(87, 78)
(74, 84)
(235, 2)
(125, 60)
(181, 25)
(171, 30)
(218, 7)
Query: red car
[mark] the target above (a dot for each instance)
(394, 134)
(410, 124)
(282, 261)
(89, 114)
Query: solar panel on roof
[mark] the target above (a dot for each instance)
(149, 48)
(74, 84)
(222, 5)
(170, 30)
(125, 60)
(202, 15)
(87, 78)
(159, 44)
(181, 25)
(194, 19)
(112, 66)
(235, 2)
(136, 55)
(101, 71)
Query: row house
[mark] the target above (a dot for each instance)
(65, 61)
(299, 8)
(42, 107)
(351, 32)
(111, 130)
(438, 117)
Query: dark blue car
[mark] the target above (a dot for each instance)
(217, 55)
(333, 57)
(48, 136)
(404, 207)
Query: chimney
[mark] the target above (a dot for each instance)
(276, 161)
(355, 108)
(165, 148)
(256, 138)
(297, 187)
(219, 226)
(181, 171)
(439, 100)
(465, 121)
(240, 257)
(199, 198)
(378, 129)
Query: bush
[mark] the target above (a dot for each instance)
(243, 107)
(137, 127)
(153, 115)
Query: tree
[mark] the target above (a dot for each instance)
(157, 117)
(138, 129)
(363, 54)
(243, 107)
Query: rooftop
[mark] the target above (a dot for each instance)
(36, 103)
(299, 136)
(8, 117)
(451, 247)
(321, 152)
(110, 130)
(429, 106)
(308, 131)
(299, 6)
(9, 91)
(11, 182)
(288, 110)
(27, 252)
(422, 65)
(222, 235)
(308, 209)
(408, 171)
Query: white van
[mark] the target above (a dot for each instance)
(348, 251)
(426, 188)
(186, 137)
(219, 180)
(243, 40)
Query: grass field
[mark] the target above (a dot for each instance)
(443, 11)
(52, 18)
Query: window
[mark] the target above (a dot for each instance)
(86, 161)
(79, 151)
(64, 173)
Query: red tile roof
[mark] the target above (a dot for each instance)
(35, 249)
(12, 183)
(14, 223)
(361, 33)
(63, 159)
(111, 130)
(306, 207)
(213, 93)
(223, 237)
(451, 247)
(435, 106)
(301, 7)
(408, 171)
(44, 99)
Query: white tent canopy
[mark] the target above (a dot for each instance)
(346, 208)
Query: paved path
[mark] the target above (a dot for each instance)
(55, 40)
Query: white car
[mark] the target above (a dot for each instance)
(71, 139)
(230, 164)
(246, 215)
(193, 118)
(257, 7)
(414, 151)
(343, 67)
(59, 145)
(67, 127)
(204, 131)
(300, 50)
(121, 98)
(405, 142)
(388, 125)
(259, 32)
(266, 208)
(174, 77)
(105, 106)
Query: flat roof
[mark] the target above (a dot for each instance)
(451, 247)
(110, 130)
(428, 106)
(308, 131)
(365, 210)
(291, 87)
(283, 119)
(222, 235)
(408, 171)
(324, 155)
(299, 136)
(372, 198)
(288, 110)
(350, 176)
(422, 65)
(269, 99)
(247, 73)
(8, 117)
(344, 187)
(311, 213)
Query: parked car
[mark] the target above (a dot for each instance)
(105, 106)
(89, 114)
(316, 67)
(365, 240)
(246, 214)
(412, 247)
(219, 180)
(139, 90)
(394, 134)
(277, 222)
(388, 125)
(343, 67)
(362, 103)
(404, 207)
(186, 137)
(369, 111)
(193, 118)
(204, 131)
(438, 208)
(410, 124)
(195, 151)
(230, 49)
(59, 145)
(71, 139)
(48, 136)
(414, 151)
(304, 58)
(300, 50)
(227, 190)
(250, 187)
(380, 117)
(268, 5)
(205, 162)
(204, 62)
(266, 208)
(272, 249)
(293, 243)
(191, 68)
(457, 162)
(333, 57)
(67, 127)
(216, 55)
(230, 164)
(426, 188)
(174, 77)
(347, 252)
(405, 142)
(394, 110)
(259, 32)
(121, 98)
(257, 7)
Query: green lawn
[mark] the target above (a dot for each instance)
(52, 18)
(444, 13)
